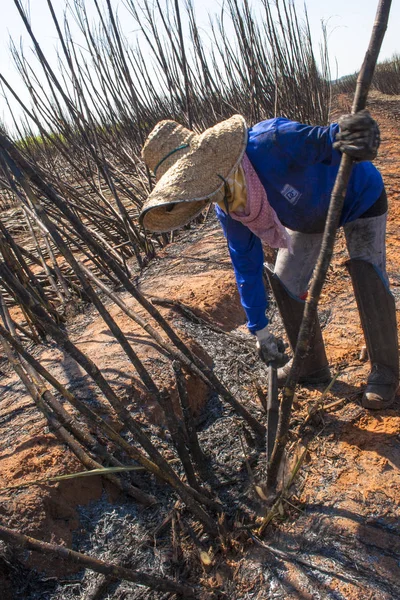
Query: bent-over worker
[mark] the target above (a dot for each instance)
(271, 184)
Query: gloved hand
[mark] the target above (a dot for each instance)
(358, 137)
(269, 347)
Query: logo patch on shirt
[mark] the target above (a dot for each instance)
(290, 193)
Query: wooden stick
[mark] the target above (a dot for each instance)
(61, 552)
(325, 256)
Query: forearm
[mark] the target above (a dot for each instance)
(246, 254)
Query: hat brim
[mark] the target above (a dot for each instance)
(196, 178)
(168, 217)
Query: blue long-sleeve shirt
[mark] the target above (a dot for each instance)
(297, 166)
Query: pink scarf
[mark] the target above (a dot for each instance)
(259, 216)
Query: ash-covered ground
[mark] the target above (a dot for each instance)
(337, 535)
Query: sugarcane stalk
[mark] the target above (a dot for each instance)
(31, 336)
(43, 261)
(178, 437)
(21, 163)
(184, 66)
(92, 416)
(62, 339)
(62, 434)
(29, 316)
(192, 438)
(335, 209)
(30, 281)
(102, 425)
(91, 294)
(57, 270)
(100, 566)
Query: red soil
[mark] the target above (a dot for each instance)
(353, 472)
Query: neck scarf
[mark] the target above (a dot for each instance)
(248, 203)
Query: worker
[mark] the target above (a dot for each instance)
(271, 183)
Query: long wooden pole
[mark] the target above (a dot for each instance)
(100, 566)
(325, 256)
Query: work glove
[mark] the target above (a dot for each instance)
(270, 348)
(358, 137)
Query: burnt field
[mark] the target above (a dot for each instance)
(132, 401)
(334, 532)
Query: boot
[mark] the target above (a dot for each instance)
(315, 366)
(378, 319)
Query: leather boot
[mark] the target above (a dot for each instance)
(315, 366)
(377, 310)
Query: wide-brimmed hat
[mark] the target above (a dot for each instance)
(190, 169)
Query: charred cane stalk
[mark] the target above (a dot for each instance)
(325, 256)
(155, 583)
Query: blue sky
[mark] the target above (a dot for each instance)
(349, 24)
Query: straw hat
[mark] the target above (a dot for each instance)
(190, 169)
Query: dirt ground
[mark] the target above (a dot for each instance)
(338, 537)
